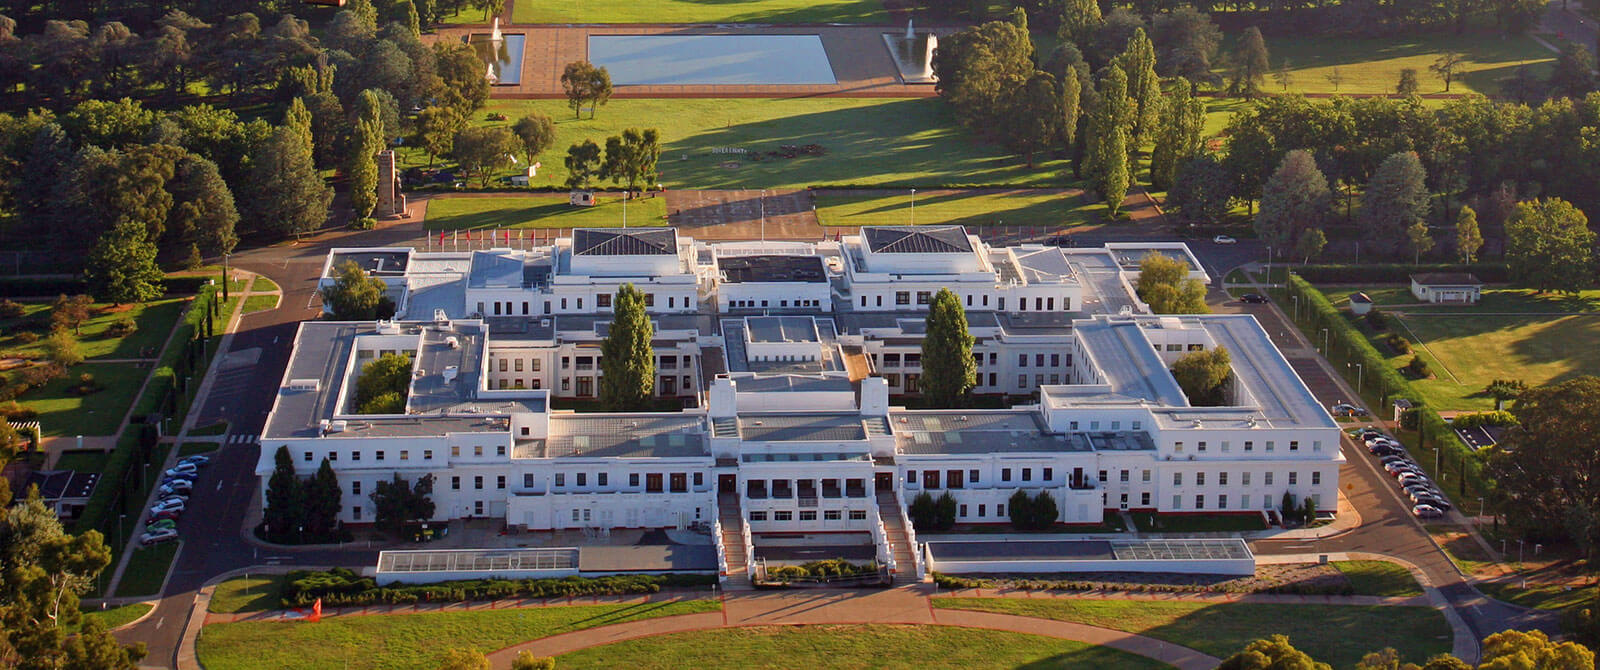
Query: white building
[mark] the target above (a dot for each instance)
(792, 426)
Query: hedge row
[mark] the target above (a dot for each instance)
(1491, 418)
(18, 287)
(1387, 382)
(342, 587)
(952, 582)
(928, 187)
(1396, 273)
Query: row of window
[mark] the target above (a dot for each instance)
(1249, 445)
(1181, 347)
(1040, 304)
(405, 454)
(810, 515)
(807, 489)
(956, 479)
(753, 304)
(1221, 501)
(676, 482)
(1094, 426)
(602, 301)
(1222, 478)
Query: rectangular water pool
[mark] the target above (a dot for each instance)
(640, 60)
(502, 61)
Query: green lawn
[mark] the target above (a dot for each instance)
(406, 640)
(540, 211)
(260, 303)
(1373, 65)
(155, 320)
(218, 428)
(99, 413)
(247, 594)
(868, 142)
(264, 284)
(692, 11)
(119, 616)
(1538, 596)
(1010, 208)
(147, 569)
(192, 448)
(1223, 629)
(909, 647)
(83, 461)
(1495, 301)
(1379, 578)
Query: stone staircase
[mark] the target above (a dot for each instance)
(894, 530)
(732, 520)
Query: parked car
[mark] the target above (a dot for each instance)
(1431, 501)
(161, 524)
(1409, 477)
(1347, 409)
(197, 459)
(175, 489)
(1427, 511)
(1223, 239)
(157, 536)
(1254, 299)
(169, 514)
(177, 480)
(182, 469)
(168, 505)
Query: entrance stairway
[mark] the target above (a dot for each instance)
(732, 520)
(894, 531)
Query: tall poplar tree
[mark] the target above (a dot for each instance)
(1468, 239)
(1108, 135)
(285, 497)
(948, 370)
(626, 359)
(365, 143)
(1183, 119)
(1070, 107)
(1138, 61)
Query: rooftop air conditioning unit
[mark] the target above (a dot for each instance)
(337, 426)
(452, 342)
(450, 373)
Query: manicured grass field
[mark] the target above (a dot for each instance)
(395, 642)
(1537, 596)
(218, 428)
(868, 142)
(263, 284)
(1379, 578)
(154, 318)
(251, 594)
(540, 211)
(147, 569)
(1222, 629)
(192, 448)
(61, 413)
(909, 647)
(1010, 208)
(83, 461)
(119, 616)
(260, 303)
(1373, 65)
(691, 11)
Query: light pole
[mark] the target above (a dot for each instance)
(1296, 299)
(624, 210)
(1519, 550)
(1359, 370)
(913, 207)
(763, 216)
(225, 276)
(1324, 341)
(1480, 509)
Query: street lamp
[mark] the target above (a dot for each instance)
(225, 275)
(1296, 299)
(1359, 370)
(1519, 550)
(763, 215)
(1480, 508)
(913, 207)
(1324, 341)
(1269, 266)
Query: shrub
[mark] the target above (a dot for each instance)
(1377, 320)
(1397, 343)
(525, 660)
(1417, 368)
(10, 309)
(63, 349)
(123, 326)
(1020, 507)
(27, 337)
(17, 413)
(342, 587)
(924, 512)
(364, 223)
(1476, 419)
(38, 375)
(945, 512)
(85, 386)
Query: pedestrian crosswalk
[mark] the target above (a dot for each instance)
(242, 438)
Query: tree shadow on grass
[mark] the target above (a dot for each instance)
(1327, 632)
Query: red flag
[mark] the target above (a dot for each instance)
(316, 611)
(441, 238)
(469, 234)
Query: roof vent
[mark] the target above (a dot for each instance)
(963, 418)
(337, 426)
(305, 384)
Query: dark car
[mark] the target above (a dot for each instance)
(1254, 299)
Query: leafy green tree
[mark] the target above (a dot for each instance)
(46, 571)
(1138, 61)
(1295, 199)
(1203, 376)
(1180, 135)
(631, 157)
(323, 502)
(388, 375)
(1421, 240)
(354, 296)
(535, 133)
(286, 499)
(362, 168)
(1541, 467)
(1186, 43)
(396, 502)
(203, 215)
(1111, 38)
(328, 128)
(411, 18)
(436, 128)
(122, 266)
(1109, 136)
(627, 361)
(293, 197)
(1515, 649)
(948, 370)
(1201, 191)
(464, 659)
(1164, 284)
(1020, 510)
(1310, 244)
(1573, 75)
(1468, 239)
(1079, 20)
(1549, 246)
(1044, 510)
(1069, 106)
(979, 68)
(482, 150)
(583, 164)
(1036, 116)
(945, 512)
(1505, 389)
(1408, 84)
(1396, 198)
(923, 512)
(1273, 653)
(1249, 64)
(585, 84)
(1446, 66)
(70, 312)
(62, 348)
(463, 86)
(525, 660)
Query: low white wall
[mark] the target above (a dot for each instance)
(1243, 566)
(386, 578)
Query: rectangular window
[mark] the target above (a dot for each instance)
(1294, 445)
(1244, 501)
(1200, 446)
(561, 479)
(1124, 475)
(1222, 501)
(961, 510)
(1038, 360)
(649, 300)
(858, 515)
(455, 483)
(1005, 474)
(831, 515)
(924, 297)
(500, 481)
(911, 476)
(783, 516)
(1177, 502)
(1144, 499)
(1293, 477)
(500, 450)
(477, 450)
(583, 479)
(1225, 447)
(405, 455)
(1316, 445)
(1267, 476)
(603, 300)
(1316, 479)
(355, 455)
(1050, 474)
(758, 516)
(1144, 475)
(1177, 479)
(652, 482)
(633, 479)
(1222, 479)
(972, 476)
(1199, 479)
(1269, 446)
(902, 297)
(600, 479)
(355, 512)
(1249, 446)
(1244, 478)
(1200, 501)
(808, 515)
(307, 457)
(355, 488)
(527, 480)
(1027, 474)
(982, 508)
(1055, 360)
(477, 482)
(1177, 447)
(1022, 360)
(1022, 381)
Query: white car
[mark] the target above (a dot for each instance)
(158, 535)
(182, 469)
(1426, 511)
(197, 459)
(166, 506)
(1223, 239)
